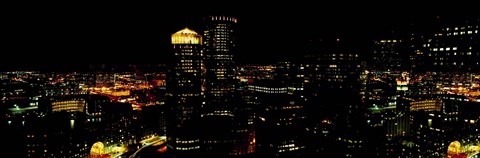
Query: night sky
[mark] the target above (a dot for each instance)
(142, 35)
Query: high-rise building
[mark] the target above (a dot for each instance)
(334, 86)
(244, 125)
(388, 54)
(280, 119)
(454, 48)
(185, 93)
(219, 110)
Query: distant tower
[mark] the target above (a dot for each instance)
(185, 91)
(387, 55)
(219, 111)
(334, 96)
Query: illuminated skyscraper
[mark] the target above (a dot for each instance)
(219, 111)
(185, 92)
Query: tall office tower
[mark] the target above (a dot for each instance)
(219, 110)
(456, 47)
(280, 120)
(388, 55)
(185, 93)
(334, 86)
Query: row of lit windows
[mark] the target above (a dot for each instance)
(219, 114)
(270, 91)
(350, 141)
(189, 95)
(461, 28)
(219, 39)
(185, 67)
(188, 148)
(267, 88)
(442, 49)
(431, 107)
(461, 53)
(384, 41)
(295, 88)
(223, 58)
(289, 149)
(220, 29)
(220, 43)
(186, 39)
(457, 33)
(220, 49)
(189, 70)
(291, 107)
(184, 81)
(184, 47)
(349, 55)
(224, 18)
(184, 53)
(335, 80)
(222, 35)
(187, 141)
(222, 55)
(441, 63)
(218, 95)
(71, 105)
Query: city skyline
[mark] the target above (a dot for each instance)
(221, 86)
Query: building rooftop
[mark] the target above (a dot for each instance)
(186, 36)
(186, 30)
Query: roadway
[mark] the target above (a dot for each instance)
(153, 147)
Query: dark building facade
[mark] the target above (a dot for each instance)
(334, 110)
(390, 55)
(220, 108)
(280, 120)
(455, 47)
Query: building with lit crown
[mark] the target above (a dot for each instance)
(185, 93)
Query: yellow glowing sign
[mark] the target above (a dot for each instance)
(186, 36)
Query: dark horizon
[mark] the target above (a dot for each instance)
(143, 37)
